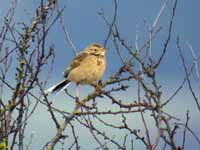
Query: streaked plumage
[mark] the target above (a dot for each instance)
(86, 68)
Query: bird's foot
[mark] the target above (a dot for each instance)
(98, 87)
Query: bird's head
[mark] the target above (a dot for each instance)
(96, 49)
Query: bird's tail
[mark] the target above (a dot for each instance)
(58, 87)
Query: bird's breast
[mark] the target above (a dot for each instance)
(89, 71)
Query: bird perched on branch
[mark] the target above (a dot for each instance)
(86, 68)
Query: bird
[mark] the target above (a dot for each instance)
(87, 67)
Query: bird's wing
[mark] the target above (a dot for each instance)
(75, 62)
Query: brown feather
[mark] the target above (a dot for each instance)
(75, 63)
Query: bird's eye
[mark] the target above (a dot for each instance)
(95, 49)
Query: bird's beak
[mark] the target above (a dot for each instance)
(104, 51)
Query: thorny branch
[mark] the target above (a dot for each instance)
(30, 54)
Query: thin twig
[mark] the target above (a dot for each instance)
(187, 74)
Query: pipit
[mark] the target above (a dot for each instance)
(86, 68)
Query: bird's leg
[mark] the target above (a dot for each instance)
(78, 101)
(77, 91)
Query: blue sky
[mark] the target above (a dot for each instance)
(86, 26)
